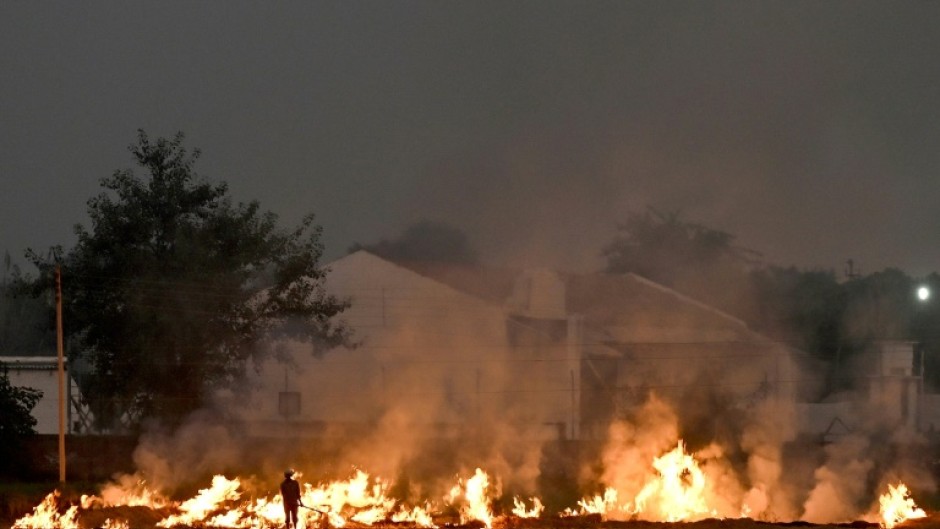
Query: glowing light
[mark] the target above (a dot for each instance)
(521, 511)
(420, 516)
(674, 492)
(115, 524)
(923, 293)
(597, 504)
(897, 506)
(46, 516)
(677, 494)
(671, 488)
(130, 491)
(198, 508)
(477, 506)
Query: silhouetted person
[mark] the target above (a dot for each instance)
(290, 493)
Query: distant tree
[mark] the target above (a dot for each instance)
(835, 322)
(17, 424)
(663, 247)
(425, 241)
(880, 306)
(805, 308)
(808, 309)
(174, 289)
(699, 261)
(26, 322)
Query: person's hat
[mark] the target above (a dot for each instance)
(288, 473)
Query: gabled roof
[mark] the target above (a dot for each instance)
(364, 272)
(632, 308)
(624, 309)
(493, 285)
(620, 307)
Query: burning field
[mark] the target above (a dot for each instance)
(687, 460)
(678, 491)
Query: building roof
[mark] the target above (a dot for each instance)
(618, 307)
(32, 363)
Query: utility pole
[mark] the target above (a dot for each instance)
(851, 272)
(61, 354)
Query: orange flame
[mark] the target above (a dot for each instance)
(897, 506)
(477, 506)
(130, 491)
(677, 493)
(420, 516)
(46, 516)
(598, 504)
(673, 488)
(674, 492)
(198, 508)
(521, 511)
(115, 524)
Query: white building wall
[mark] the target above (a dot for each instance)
(427, 353)
(41, 373)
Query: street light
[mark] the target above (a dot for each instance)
(923, 293)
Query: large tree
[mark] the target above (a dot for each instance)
(174, 288)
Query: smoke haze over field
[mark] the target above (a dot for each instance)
(437, 388)
(809, 130)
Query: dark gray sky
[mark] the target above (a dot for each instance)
(810, 130)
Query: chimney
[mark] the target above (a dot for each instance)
(539, 293)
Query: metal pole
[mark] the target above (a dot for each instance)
(61, 354)
(574, 406)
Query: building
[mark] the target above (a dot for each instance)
(557, 355)
(41, 373)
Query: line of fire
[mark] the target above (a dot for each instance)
(484, 397)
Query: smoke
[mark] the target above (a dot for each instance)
(425, 240)
(840, 483)
(199, 448)
(441, 385)
(632, 445)
(772, 424)
(758, 464)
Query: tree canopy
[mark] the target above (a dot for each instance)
(697, 260)
(811, 310)
(664, 247)
(174, 288)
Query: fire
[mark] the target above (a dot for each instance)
(674, 488)
(361, 494)
(677, 493)
(115, 524)
(207, 501)
(477, 505)
(897, 506)
(674, 492)
(521, 511)
(420, 516)
(46, 516)
(597, 504)
(131, 491)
